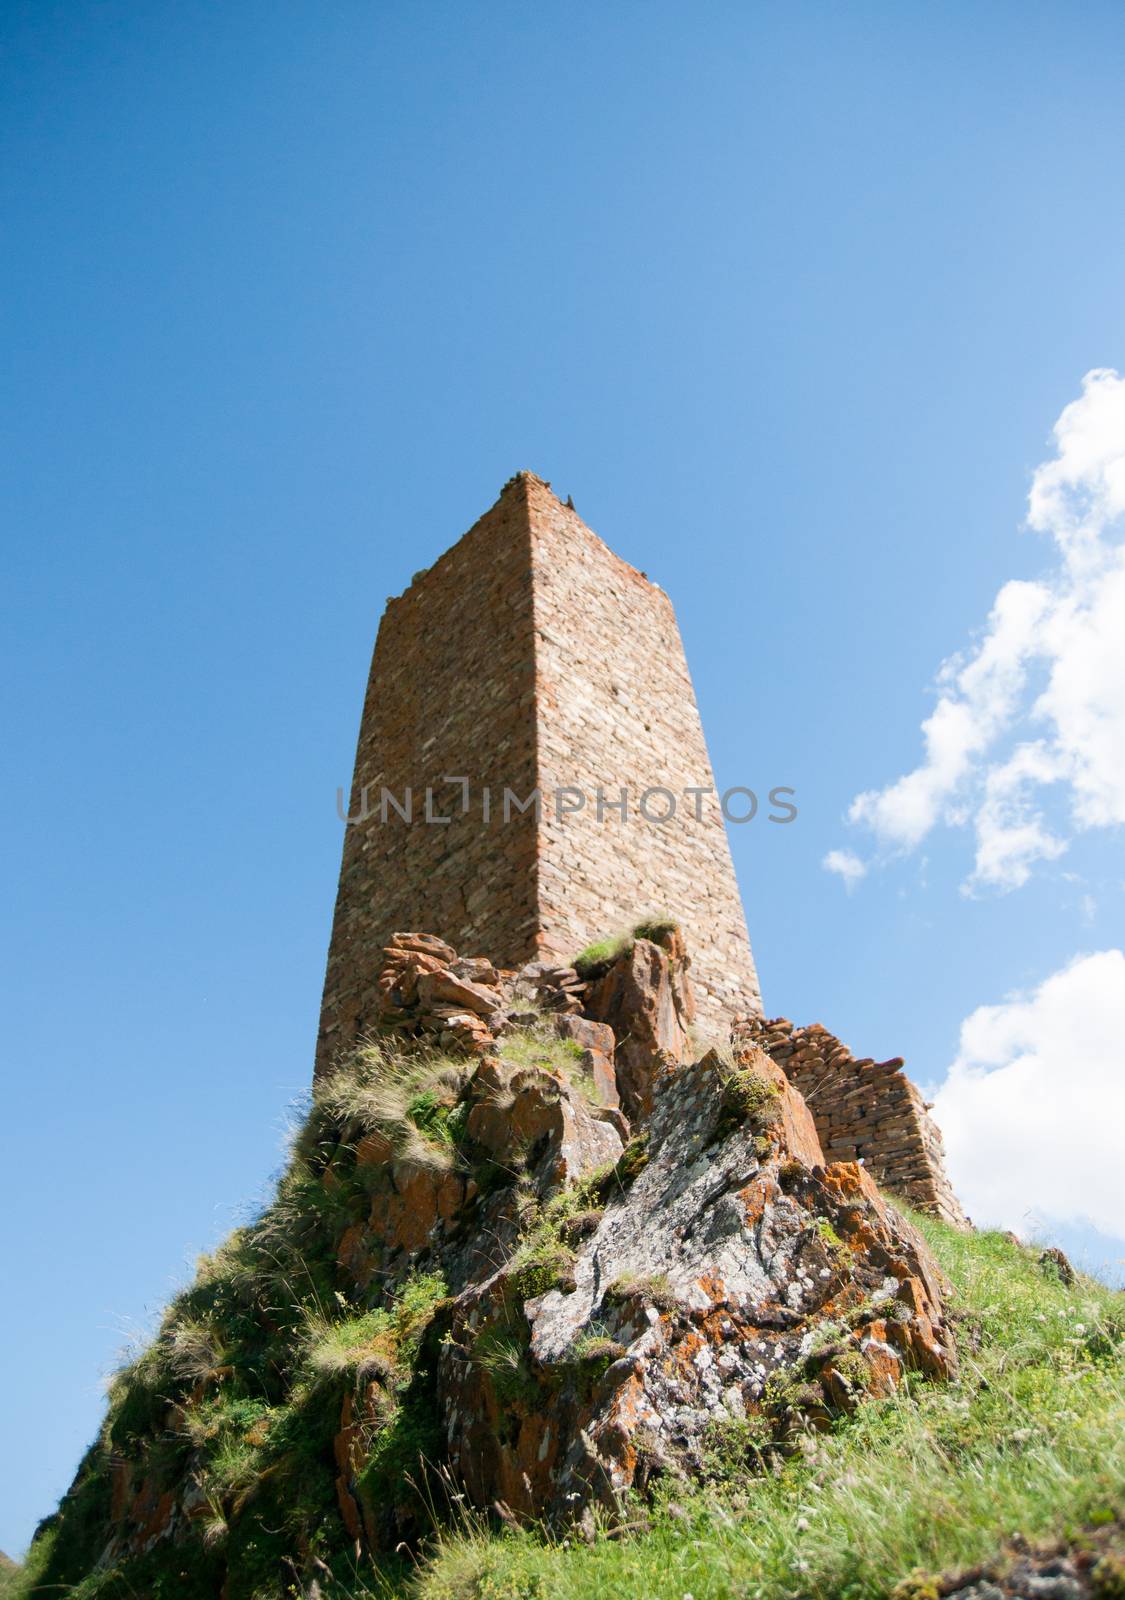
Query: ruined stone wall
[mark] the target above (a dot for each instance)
(530, 657)
(866, 1111)
(617, 710)
(451, 693)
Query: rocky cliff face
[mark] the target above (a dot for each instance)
(534, 1249)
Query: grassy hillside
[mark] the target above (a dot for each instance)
(1031, 1439)
(253, 1362)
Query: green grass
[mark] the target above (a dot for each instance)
(401, 1090)
(540, 1046)
(1031, 1437)
(650, 1288)
(436, 1119)
(501, 1351)
(603, 951)
(334, 1349)
(657, 929)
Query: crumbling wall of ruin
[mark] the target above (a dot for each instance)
(864, 1110)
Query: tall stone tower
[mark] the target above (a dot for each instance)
(530, 658)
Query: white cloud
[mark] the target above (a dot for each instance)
(1085, 698)
(1011, 833)
(993, 747)
(1034, 1105)
(1076, 496)
(847, 864)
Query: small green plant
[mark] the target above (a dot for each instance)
(632, 1161)
(603, 952)
(414, 1308)
(646, 1288)
(436, 1118)
(407, 1093)
(917, 1586)
(541, 1046)
(334, 1348)
(850, 1366)
(748, 1099)
(1107, 1580)
(196, 1350)
(594, 1354)
(790, 1391)
(542, 1262)
(380, 1342)
(827, 1333)
(502, 1352)
(730, 1446)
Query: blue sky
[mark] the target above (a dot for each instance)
(788, 297)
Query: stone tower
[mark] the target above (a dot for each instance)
(530, 658)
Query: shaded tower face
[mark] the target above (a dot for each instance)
(529, 659)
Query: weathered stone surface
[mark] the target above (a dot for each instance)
(1087, 1564)
(515, 1112)
(590, 1035)
(597, 1044)
(426, 943)
(646, 999)
(424, 987)
(477, 969)
(459, 992)
(693, 1300)
(797, 1127)
(687, 1292)
(548, 988)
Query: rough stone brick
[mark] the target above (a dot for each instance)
(530, 656)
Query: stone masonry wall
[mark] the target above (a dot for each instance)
(617, 710)
(451, 693)
(866, 1111)
(530, 656)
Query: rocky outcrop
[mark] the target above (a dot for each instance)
(864, 1110)
(1089, 1564)
(644, 995)
(692, 1264)
(729, 1282)
(533, 1242)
